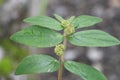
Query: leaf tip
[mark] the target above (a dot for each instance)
(100, 19)
(55, 14)
(118, 42)
(25, 20)
(12, 37)
(58, 17)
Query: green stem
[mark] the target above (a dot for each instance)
(61, 59)
(60, 68)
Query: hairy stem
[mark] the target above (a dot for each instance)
(61, 59)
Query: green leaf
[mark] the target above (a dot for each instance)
(58, 17)
(93, 38)
(84, 71)
(71, 19)
(44, 21)
(85, 21)
(37, 64)
(37, 36)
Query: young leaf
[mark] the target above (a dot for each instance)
(44, 21)
(58, 17)
(93, 38)
(84, 71)
(71, 19)
(37, 36)
(85, 21)
(37, 64)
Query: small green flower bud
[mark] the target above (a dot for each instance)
(59, 49)
(69, 30)
(65, 23)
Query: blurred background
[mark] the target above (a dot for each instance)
(12, 13)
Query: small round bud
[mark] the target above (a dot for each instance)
(69, 30)
(59, 49)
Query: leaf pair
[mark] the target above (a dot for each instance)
(45, 63)
(47, 22)
(41, 35)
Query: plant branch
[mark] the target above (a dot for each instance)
(61, 59)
